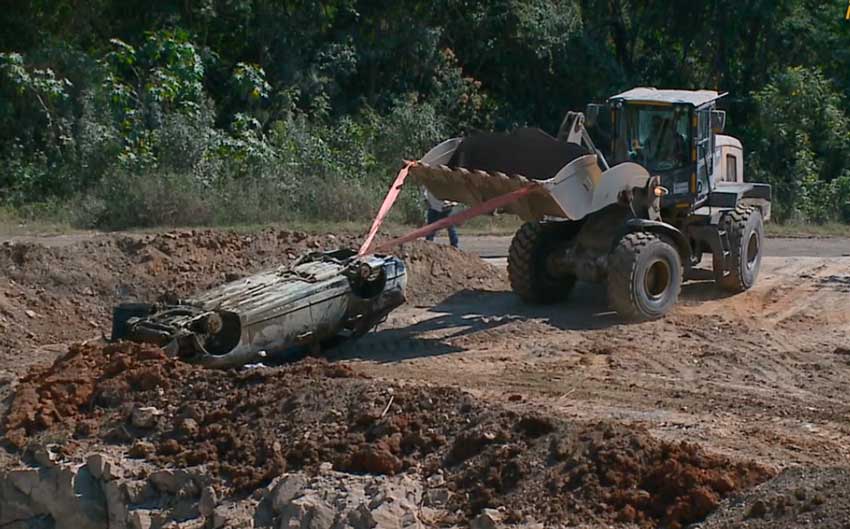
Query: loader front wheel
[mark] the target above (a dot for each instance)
(745, 228)
(528, 269)
(644, 276)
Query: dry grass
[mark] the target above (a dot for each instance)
(830, 229)
(15, 224)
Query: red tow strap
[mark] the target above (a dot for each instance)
(463, 216)
(389, 200)
(392, 195)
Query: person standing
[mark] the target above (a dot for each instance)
(438, 210)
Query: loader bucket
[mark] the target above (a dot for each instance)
(480, 167)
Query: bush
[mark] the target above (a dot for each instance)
(802, 145)
(126, 199)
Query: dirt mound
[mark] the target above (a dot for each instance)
(797, 498)
(437, 271)
(601, 472)
(61, 294)
(246, 427)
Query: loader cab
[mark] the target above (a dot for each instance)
(672, 134)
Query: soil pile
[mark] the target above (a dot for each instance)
(60, 294)
(438, 271)
(247, 427)
(797, 498)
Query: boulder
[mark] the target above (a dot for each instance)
(285, 490)
(307, 512)
(144, 417)
(488, 519)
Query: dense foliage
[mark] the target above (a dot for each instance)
(220, 111)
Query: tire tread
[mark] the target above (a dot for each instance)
(522, 267)
(735, 223)
(622, 267)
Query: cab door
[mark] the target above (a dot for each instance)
(704, 153)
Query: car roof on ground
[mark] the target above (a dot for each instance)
(653, 95)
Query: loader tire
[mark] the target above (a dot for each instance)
(527, 270)
(745, 229)
(644, 276)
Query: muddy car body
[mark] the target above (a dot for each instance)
(321, 297)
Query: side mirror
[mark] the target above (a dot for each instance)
(591, 114)
(718, 121)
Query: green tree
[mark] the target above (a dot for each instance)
(802, 143)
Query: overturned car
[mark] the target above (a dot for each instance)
(321, 298)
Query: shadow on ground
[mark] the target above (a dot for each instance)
(468, 312)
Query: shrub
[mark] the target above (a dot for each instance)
(802, 145)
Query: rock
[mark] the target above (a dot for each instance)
(287, 489)
(326, 468)
(67, 495)
(533, 524)
(30, 313)
(141, 449)
(438, 497)
(16, 505)
(174, 481)
(44, 456)
(192, 411)
(184, 507)
(307, 512)
(96, 464)
(395, 515)
(116, 505)
(138, 491)
(169, 447)
(488, 519)
(627, 514)
(437, 480)
(188, 428)
(757, 510)
(218, 518)
(103, 468)
(144, 417)
(140, 519)
(209, 500)
(119, 434)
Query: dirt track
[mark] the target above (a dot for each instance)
(759, 377)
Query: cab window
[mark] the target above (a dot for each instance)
(658, 137)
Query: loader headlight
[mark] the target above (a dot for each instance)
(661, 191)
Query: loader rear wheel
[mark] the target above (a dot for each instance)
(745, 228)
(644, 276)
(527, 264)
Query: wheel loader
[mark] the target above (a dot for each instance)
(642, 215)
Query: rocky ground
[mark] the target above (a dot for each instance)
(466, 407)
